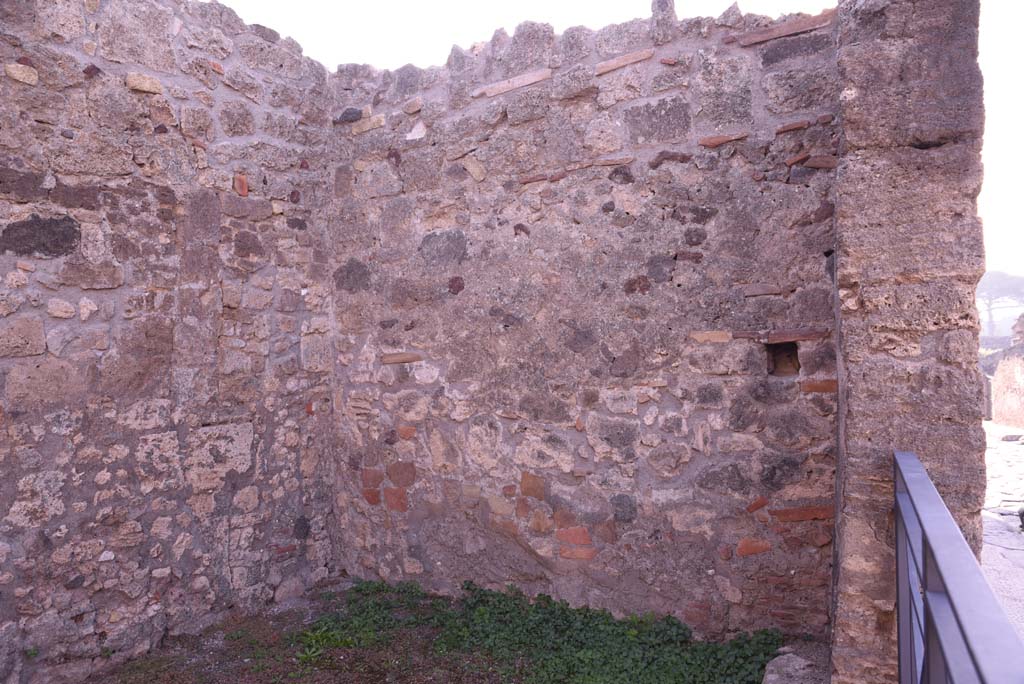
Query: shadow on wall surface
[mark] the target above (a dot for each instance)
(508, 320)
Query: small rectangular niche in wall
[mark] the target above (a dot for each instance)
(783, 358)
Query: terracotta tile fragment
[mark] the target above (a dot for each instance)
(400, 357)
(623, 60)
(532, 178)
(574, 535)
(761, 290)
(822, 162)
(801, 513)
(532, 485)
(749, 546)
(402, 473)
(795, 126)
(787, 28)
(584, 553)
(713, 141)
(613, 161)
(520, 81)
(372, 477)
(796, 159)
(564, 518)
(797, 334)
(395, 499)
(241, 185)
(710, 336)
(819, 386)
(757, 504)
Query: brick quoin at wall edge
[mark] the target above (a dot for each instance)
(624, 316)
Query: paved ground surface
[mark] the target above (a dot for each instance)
(1002, 557)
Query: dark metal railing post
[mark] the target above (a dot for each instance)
(950, 627)
(904, 625)
(934, 658)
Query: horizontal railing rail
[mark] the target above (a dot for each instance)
(951, 628)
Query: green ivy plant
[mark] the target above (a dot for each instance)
(541, 641)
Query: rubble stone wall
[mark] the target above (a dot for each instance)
(165, 444)
(587, 247)
(560, 314)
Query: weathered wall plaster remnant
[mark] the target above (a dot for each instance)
(563, 313)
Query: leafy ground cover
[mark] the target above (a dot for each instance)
(376, 632)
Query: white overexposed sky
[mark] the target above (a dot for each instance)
(398, 32)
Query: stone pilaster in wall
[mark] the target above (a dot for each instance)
(908, 258)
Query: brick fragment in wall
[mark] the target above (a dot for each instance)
(789, 28)
(514, 83)
(821, 162)
(794, 126)
(400, 357)
(623, 60)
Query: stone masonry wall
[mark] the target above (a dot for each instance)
(561, 313)
(909, 256)
(164, 420)
(560, 263)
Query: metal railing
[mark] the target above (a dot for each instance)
(951, 628)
